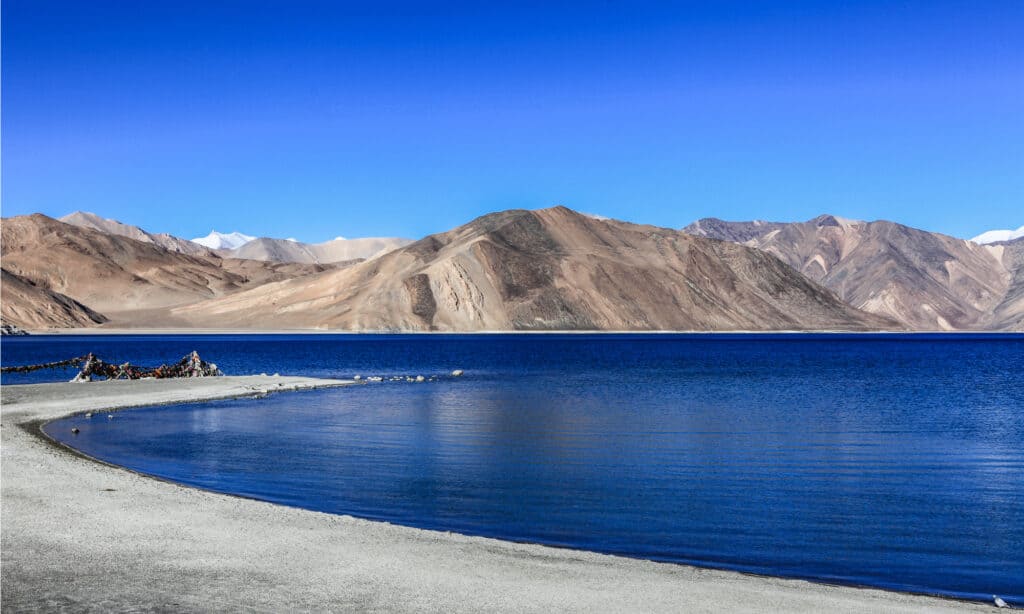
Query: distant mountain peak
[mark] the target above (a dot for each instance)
(220, 240)
(997, 236)
(84, 219)
(834, 221)
(82, 215)
(737, 232)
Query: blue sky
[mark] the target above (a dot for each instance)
(317, 119)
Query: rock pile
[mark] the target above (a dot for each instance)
(92, 366)
(10, 329)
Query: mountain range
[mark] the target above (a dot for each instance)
(239, 245)
(552, 269)
(77, 273)
(340, 249)
(336, 250)
(924, 280)
(548, 269)
(113, 227)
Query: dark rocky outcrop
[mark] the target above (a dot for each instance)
(421, 298)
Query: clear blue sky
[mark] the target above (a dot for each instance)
(314, 119)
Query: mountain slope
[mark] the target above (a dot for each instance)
(26, 305)
(246, 247)
(737, 232)
(116, 275)
(551, 269)
(1008, 314)
(927, 281)
(337, 250)
(83, 219)
(274, 250)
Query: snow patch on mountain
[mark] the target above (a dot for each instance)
(220, 240)
(995, 236)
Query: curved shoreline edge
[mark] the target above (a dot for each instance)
(82, 534)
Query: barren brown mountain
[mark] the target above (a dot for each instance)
(338, 250)
(1008, 314)
(26, 305)
(118, 277)
(925, 280)
(552, 269)
(264, 248)
(114, 227)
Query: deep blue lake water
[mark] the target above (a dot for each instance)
(887, 460)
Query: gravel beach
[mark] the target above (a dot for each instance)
(79, 535)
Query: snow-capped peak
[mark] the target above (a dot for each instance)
(994, 236)
(220, 240)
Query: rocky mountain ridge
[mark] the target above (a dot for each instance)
(552, 269)
(924, 280)
(84, 219)
(328, 252)
(246, 247)
(83, 276)
(549, 269)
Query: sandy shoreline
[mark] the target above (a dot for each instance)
(84, 536)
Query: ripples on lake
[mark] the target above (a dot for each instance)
(893, 461)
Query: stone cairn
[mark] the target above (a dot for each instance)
(92, 366)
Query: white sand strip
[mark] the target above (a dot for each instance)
(83, 536)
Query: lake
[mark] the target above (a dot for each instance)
(886, 460)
